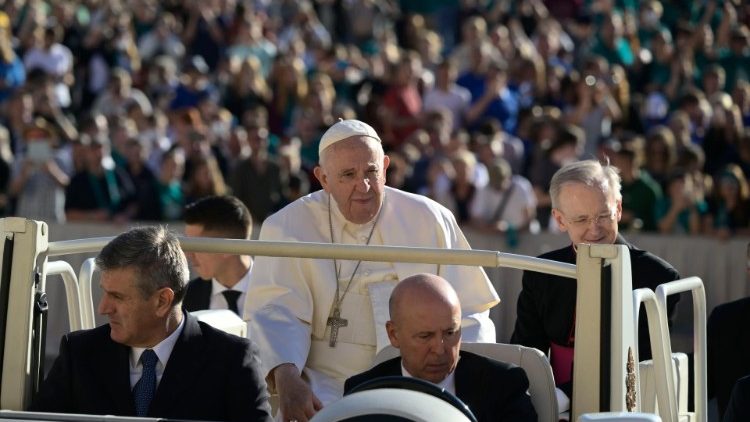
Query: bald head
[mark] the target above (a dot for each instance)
(425, 325)
(422, 288)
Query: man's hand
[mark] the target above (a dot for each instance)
(296, 400)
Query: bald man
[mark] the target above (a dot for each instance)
(425, 326)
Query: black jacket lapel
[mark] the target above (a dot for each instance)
(184, 363)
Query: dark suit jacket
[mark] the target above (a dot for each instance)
(738, 409)
(547, 303)
(728, 349)
(494, 391)
(197, 295)
(210, 375)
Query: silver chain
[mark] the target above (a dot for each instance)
(339, 300)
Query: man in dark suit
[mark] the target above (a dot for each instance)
(425, 326)
(223, 277)
(153, 359)
(738, 409)
(587, 204)
(728, 349)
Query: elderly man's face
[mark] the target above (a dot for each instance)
(428, 335)
(587, 214)
(353, 172)
(134, 320)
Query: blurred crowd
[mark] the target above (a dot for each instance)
(124, 110)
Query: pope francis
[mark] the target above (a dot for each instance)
(319, 321)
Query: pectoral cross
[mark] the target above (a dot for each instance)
(335, 322)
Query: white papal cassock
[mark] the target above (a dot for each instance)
(289, 300)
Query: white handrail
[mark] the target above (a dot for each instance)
(339, 251)
(638, 299)
(694, 285)
(87, 300)
(662, 354)
(71, 291)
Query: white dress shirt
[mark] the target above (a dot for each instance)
(448, 383)
(163, 350)
(218, 301)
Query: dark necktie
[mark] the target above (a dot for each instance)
(144, 389)
(231, 297)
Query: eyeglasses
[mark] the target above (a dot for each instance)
(598, 220)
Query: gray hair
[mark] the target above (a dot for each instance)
(155, 255)
(588, 172)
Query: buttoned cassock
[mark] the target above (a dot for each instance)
(290, 299)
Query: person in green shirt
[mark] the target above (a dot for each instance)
(640, 193)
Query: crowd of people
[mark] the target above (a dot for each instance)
(128, 110)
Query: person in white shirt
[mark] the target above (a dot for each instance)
(223, 278)
(319, 321)
(507, 202)
(54, 59)
(448, 94)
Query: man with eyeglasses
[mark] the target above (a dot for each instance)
(587, 205)
(320, 321)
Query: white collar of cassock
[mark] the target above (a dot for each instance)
(341, 224)
(448, 384)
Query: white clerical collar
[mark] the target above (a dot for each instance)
(163, 350)
(340, 220)
(241, 286)
(448, 384)
(341, 224)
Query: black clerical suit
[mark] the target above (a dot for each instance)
(728, 349)
(547, 303)
(197, 295)
(738, 409)
(210, 375)
(494, 391)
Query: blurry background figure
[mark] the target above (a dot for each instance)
(640, 193)
(171, 196)
(38, 180)
(682, 209)
(147, 202)
(564, 148)
(506, 203)
(205, 179)
(729, 204)
(54, 59)
(258, 180)
(12, 72)
(6, 161)
(101, 191)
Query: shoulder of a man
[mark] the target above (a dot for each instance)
(197, 292)
(734, 311)
(564, 254)
(499, 369)
(539, 281)
(387, 368)
(88, 338)
(646, 265)
(221, 340)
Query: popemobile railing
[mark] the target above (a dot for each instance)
(25, 265)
